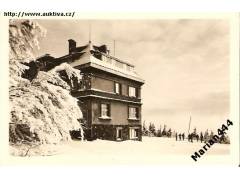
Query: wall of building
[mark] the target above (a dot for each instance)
(106, 82)
(98, 127)
(102, 84)
(119, 113)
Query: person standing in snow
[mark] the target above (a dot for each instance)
(176, 136)
(190, 138)
(180, 137)
(201, 137)
(206, 136)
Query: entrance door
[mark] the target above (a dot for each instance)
(119, 133)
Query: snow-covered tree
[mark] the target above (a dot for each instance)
(144, 129)
(152, 129)
(159, 132)
(206, 136)
(169, 133)
(42, 110)
(164, 132)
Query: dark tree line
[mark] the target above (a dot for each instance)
(152, 131)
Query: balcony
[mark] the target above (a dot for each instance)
(105, 95)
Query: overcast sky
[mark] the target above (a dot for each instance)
(185, 64)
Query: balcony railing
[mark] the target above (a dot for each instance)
(89, 92)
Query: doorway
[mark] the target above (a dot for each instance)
(119, 133)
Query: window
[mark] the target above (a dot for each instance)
(105, 110)
(118, 88)
(132, 91)
(133, 113)
(133, 133)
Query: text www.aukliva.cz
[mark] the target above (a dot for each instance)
(37, 14)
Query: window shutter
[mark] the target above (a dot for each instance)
(108, 110)
(100, 109)
(120, 89)
(137, 112)
(136, 92)
(115, 87)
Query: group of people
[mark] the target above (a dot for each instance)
(181, 137)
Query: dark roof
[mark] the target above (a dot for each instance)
(80, 48)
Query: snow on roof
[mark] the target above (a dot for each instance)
(43, 56)
(97, 57)
(105, 62)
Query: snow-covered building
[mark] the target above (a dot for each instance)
(109, 94)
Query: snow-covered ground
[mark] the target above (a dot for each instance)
(150, 150)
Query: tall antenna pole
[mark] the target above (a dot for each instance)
(189, 125)
(114, 48)
(89, 31)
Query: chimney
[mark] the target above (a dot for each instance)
(103, 48)
(72, 45)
